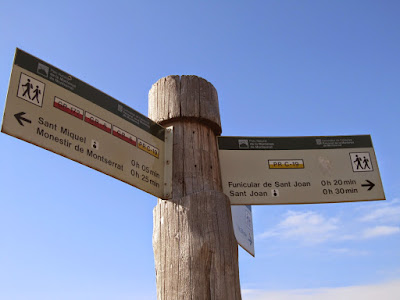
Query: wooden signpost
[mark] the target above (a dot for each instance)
(195, 250)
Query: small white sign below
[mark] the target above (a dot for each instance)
(243, 226)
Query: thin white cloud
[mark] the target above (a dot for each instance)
(348, 251)
(388, 291)
(383, 212)
(309, 227)
(379, 231)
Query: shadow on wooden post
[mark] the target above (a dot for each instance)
(195, 250)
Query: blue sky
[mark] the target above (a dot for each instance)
(281, 68)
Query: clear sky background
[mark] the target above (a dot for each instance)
(281, 68)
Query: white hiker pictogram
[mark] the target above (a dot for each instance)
(31, 90)
(361, 162)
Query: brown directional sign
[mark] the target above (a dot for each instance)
(56, 111)
(299, 170)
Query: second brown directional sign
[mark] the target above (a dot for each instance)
(299, 170)
(56, 111)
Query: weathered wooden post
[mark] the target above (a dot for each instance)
(195, 251)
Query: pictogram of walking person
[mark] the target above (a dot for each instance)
(366, 165)
(358, 162)
(28, 86)
(36, 93)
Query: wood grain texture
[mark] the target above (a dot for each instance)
(195, 250)
(186, 97)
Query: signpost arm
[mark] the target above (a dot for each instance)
(195, 250)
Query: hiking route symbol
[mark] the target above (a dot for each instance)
(31, 90)
(361, 162)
